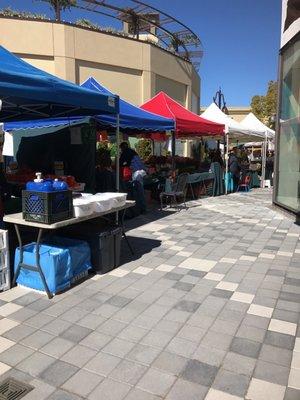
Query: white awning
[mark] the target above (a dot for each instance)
(252, 122)
(235, 129)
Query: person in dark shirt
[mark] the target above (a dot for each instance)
(234, 168)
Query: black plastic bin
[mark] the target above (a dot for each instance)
(105, 244)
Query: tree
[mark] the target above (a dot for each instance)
(59, 6)
(265, 107)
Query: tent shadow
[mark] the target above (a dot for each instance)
(140, 247)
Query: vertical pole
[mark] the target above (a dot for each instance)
(173, 149)
(118, 153)
(226, 163)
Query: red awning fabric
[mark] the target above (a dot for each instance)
(187, 123)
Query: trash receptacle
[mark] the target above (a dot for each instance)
(105, 245)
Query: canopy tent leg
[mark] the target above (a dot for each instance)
(226, 163)
(264, 160)
(118, 154)
(118, 161)
(173, 138)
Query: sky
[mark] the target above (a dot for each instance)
(240, 41)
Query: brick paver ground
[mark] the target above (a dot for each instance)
(208, 309)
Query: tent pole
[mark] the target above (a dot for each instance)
(264, 160)
(226, 163)
(118, 153)
(173, 150)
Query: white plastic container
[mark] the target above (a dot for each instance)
(117, 199)
(82, 207)
(102, 203)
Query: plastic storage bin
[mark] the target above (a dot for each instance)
(47, 207)
(104, 242)
(62, 263)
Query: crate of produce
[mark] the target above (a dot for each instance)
(5, 281)
(47, 207)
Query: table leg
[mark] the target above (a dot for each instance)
(37, 267)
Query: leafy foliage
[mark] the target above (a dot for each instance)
(9, 12)
(264, 107)
(59, 6)
(144, 148)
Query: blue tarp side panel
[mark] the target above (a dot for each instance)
(131, 117)
(29, 93)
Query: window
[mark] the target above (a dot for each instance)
(288, 165)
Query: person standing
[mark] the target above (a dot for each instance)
(130, 158)
(234, 168)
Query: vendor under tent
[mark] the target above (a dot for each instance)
(29, 93)
(234, 130)
(253, 122)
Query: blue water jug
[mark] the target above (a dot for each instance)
(59, 185)
(39, 184)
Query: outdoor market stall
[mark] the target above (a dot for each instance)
(235, 132)
(27, 92)
(254, 123)
(188, 125)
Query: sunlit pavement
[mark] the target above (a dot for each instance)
(208, 309)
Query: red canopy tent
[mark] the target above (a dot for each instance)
(187, 123)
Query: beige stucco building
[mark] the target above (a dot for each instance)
(134, 69)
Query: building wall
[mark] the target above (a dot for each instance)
(133, 69)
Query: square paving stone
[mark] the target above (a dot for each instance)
(211, 356)
(35, 364)
(232, 383)
(197, 274)
(102, 364)
(186, 305)
(82, 383)
(56, 326)
(118, 301)
(258, 389)
(198, 372)
(143, 354)
(57, 347)
(170, 362)
(186, 287)
(111, 327)
(156, 382)
(225, 294)
(37, 340)
(251, 333)
(181, 389)
(79, 355)
(128, 372)
(118, 347)
(110, 390)
(239, 364)
(76, 333)
(280, 340)
(15, 354)
(58, 372)
(292, 394)
(276, 355)
(217, 340)
(19, 332)
(245, 347)
(173, 276)
(271, 373)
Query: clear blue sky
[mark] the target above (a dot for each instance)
(240, 40)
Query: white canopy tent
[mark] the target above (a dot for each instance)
(234, 130)
(254, 123)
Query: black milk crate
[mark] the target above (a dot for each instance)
(47, 207)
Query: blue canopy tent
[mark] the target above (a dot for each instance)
(29, 93)
(132, 118)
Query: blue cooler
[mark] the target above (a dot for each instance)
(62, 261)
